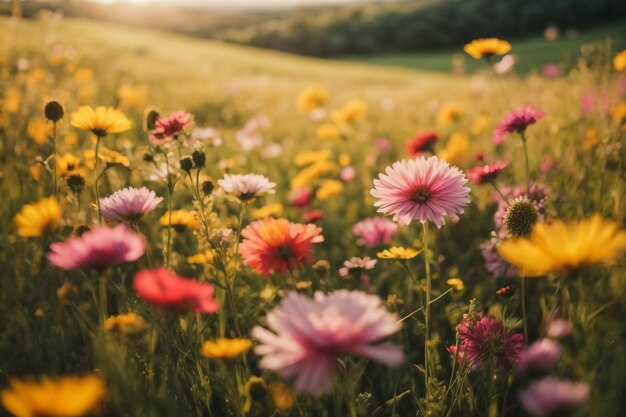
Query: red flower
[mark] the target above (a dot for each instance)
(277, 245)
(168, 128)
(166, 289)
(312, 216)
(486, 173)
(421, 142)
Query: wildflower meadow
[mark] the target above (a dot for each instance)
(191, 228)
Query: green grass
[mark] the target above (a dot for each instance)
(532, 53)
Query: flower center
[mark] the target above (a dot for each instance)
(285, 252)
(421, 195)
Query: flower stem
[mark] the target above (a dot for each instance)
(495, 187)
(523, 301)
(426, 314)
(526, 164)
(103, 298)
(98, 180)
(169, 223)
(54, 157)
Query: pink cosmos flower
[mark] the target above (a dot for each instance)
(246, 187)
(540, 356)
(348, 174)
(306, 336)
(168, 128)
(97, 249)
(421, 142)
(357, 264)
(128, 204)
(374, 231)
(421, 189)
(486, 344)
(516, 121)
(553, 397)
(166, 289)
(486, 173)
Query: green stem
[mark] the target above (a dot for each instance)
(523, 301)
(98, 179)
(427, 315)
(103, 298)
(54, 157)
(526, 164)
(495, 187)
(169, 223)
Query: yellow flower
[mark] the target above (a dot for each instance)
(123, 323)
(560, 248)
(181, 220)
(486, 48)
(132, 96)
(619, 113)
(310, 157)
(327, 131)
(67, 164)
(39, 130)
(398, 252)
(449, 113)
(11, 102)
(345, 159)
(39, 218)
(311, 173)
(328, 189)
(350, 113)
(83, 75)
(113, 157)
(455, 283)
(619, 62)
(201, 258)
(225, 348)
(479, 125)
(311, 98)
(455, 152)
(255, 389)
(100, 121)
(283, 397)
(69, 396)
(268, 210)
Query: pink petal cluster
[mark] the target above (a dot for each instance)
(540, 356)
(421, 142)
(168, 128)
(358, 264)
(128, 204)
(487, 345)
(97, 249)
(486, 173)
(300, 197)
(553, 397)
(306, 336)
(166, 289)
(516, 121)
(374, 231)
(421, 189)
(246, 186)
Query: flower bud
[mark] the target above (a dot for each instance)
(186, 164)
(199, 159)
(53, 111)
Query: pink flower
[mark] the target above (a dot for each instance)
(97, 249)
(357, 264)
(539, 356)
(486, 173)
(486, 344)
(300, 197)
(382, 144)
(558, 329)
(552, 71)
(166, 289)
(307, 335)
(312, 216)
(516, 121)
(168, 128)
(374, 231)
(347, 174)
(246, 187)
(494, 264)
(421, 189)
(128, 204)
(421, 142)
(552, 397)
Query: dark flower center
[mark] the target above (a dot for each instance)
(285, 252)
(421, 195)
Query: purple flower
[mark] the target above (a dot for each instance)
(552, 397)
(539, 356)
(374, 231)
(128, 204)
(97, 249)
(516, 121)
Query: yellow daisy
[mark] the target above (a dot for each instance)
(619, 62)
(328, 189)
(113, 157)
(101, 121)
(311, 98)
(123, 323)
(39, 218)
(201, 258)
(181, 220)
(455, 283)
(275, 209)
(67, 164)
(486, 48)
(352, 112)
(398, 252)
(225, 348)
(560, 248)
(327, 131)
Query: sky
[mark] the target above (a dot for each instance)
(236, 3)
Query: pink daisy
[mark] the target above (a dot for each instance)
(421, 189)
(128, 204)
(356, 264)
(246, 187)
(486, 173)
(307, 335)
(516, 121)
(97, 249)
(168, 128)
(374, 231)
(421, 143)
(553, 397)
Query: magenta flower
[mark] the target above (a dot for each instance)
(538, 357)
(486, 173)
(97, 249)
(356, 264)
(421, 189)
(128, 204)
(168, 128)
(246, 187)
(487, 345)
(516, 121)
(374, 231)
(307, 335)
(421, 142)
(553, 397)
